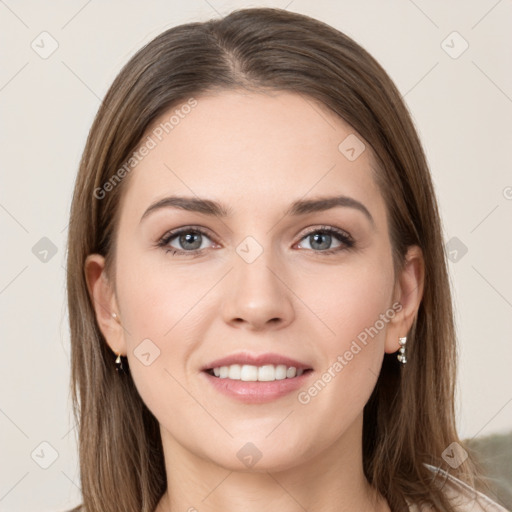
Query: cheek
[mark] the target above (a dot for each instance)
(162, 312)
(354, 305)
(157, 342)
(153, 299)
(350, 298)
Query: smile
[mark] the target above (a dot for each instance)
(251, 373)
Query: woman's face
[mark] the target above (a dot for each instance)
(262, 279)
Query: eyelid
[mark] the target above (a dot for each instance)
(334, 229)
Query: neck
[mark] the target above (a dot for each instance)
(332, 479)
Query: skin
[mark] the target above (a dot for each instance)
(256, 153)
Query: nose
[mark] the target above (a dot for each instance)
(257, 295)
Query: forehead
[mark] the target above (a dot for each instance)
(252, 148)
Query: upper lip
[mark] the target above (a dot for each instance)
(256, 360)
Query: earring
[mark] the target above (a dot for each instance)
(401, 353)
(120, 368)
(115, 317)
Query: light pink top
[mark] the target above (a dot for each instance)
(463, 497)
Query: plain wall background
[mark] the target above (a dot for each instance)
(462, 108)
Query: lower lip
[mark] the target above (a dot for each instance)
(257, 392)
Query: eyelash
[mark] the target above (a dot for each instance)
(340, 235)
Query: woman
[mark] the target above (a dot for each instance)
(300, 354)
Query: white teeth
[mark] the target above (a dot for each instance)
(235, 371)
(268, 373)
(250, 373)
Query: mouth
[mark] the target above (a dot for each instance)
(257, 383)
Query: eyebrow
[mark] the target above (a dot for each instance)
(299, 207)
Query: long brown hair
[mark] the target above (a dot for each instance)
(409, 419)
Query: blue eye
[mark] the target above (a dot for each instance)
(323, 237)
(190, 240)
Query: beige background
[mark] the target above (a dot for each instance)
(462, 108)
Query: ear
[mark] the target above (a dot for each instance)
(104, 302)
(408, 292)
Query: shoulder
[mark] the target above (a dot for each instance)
(463, 497)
